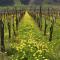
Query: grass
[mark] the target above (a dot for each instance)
(30, 43)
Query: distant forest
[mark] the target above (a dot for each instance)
(11, 2)
(6, 2)
(25, 1)
(40, 1)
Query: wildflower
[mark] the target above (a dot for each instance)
(46, 59)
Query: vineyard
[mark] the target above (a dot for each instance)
(30, 34)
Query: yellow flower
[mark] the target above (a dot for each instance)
(34, 54)
(40, 51)
(37, 59)
(46, 59)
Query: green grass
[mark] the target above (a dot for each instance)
(30, 43)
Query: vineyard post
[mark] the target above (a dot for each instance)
(40, 18)
(36, 17)
(9, 26)
(13, 24)
(45, 27)
(16, 20)
(4, 16)
(51, 30)
(2, 35)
